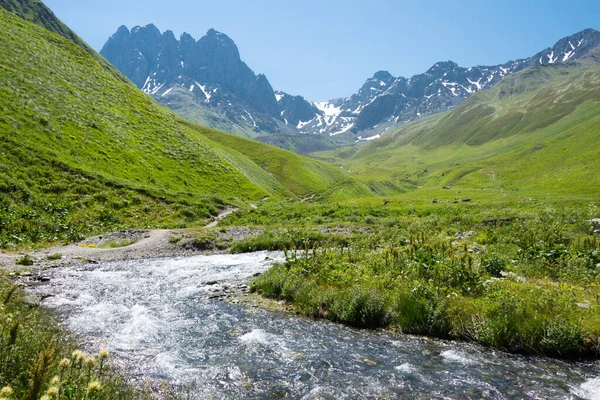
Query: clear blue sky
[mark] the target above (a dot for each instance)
(324, 49)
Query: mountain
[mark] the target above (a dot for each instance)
(202, 80)
(533, 135)
(206, 82)
(83, 152)
(385, 101)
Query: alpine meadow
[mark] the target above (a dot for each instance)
(162, 203)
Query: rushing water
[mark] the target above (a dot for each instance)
(156, 316)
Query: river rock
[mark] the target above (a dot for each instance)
(43, 278)
(595, 222)
(32, 300)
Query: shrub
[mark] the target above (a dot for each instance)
(55, 256)
(24, 260)
(360, 308)
(494, 265)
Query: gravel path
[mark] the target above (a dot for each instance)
(156, 243)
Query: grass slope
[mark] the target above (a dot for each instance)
(299, 175)
(531, 135)
(35, 11)
(298, 142)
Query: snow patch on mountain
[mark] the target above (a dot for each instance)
(328, 109)
(206, 93)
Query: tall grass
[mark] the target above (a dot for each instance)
(527, 284)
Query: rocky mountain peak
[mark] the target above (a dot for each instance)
(123, 30)
(569, 48)
(442, 66)
(209, 71)
(382, 76)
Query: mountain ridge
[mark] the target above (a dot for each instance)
(194, 78)
(531, 135)
(209, 68)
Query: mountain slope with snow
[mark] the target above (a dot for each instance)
(385, 101)
(207, 82)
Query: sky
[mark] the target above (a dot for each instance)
(326, 49)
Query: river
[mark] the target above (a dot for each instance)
(156, 317)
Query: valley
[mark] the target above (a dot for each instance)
(441, 228)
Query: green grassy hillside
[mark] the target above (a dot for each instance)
(300, 175)
(35, 11)
(534, 134)
(84, 152)
(298, 142)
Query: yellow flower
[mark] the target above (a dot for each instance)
(103, 354)
(65, 362)
(45, 397)
(78, 355)
(52, 391)
(94, 386)
(90, 361)
(6, 391)
(55, 380)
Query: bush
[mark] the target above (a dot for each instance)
(360, 308)
(24, 260)
(55, 256)
(494, 265)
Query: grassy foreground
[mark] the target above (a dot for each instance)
(525, 281)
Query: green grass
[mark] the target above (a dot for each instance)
(113, 244)
(36, 11)
(299, 175)
(517, 280)
(24, 260)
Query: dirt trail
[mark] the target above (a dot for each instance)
(146, 244)
(222, 214)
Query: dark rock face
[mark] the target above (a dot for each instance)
(210, 68)
(295, 108)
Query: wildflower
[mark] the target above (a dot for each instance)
(78, 355)
(94, 386)
(65, 362)
(103, 354)
(52, 391)
(45, 397)
(55, 380)
(90, 361)
(6, 391)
